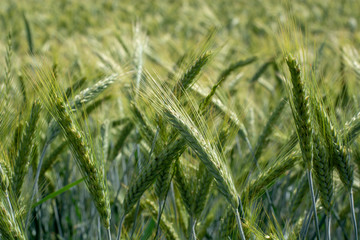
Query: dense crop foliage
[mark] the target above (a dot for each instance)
(179, 119)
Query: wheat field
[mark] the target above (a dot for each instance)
(179, 119)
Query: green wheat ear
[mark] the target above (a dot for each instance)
(148, 175)
(339, 155)
(197, 138)
(191, 73)
(10, 225)
(22, 159)
(323, 174)
(300, 106)
(91, 168)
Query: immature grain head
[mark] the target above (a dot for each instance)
(92, 92)
(90, 167)
(323, 173)
(10, 227)
(188, 78)
(336, 148)
(22, 159)
(4, 180)
(300, 109)
(184, 187)
(352, 128)
(203, 186)
(197, 138)
(267, 130)
(150, 172)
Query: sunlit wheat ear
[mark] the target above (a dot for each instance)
(85, 96)
(92, 92)
(9, 226)
(91, 168)
(164, 102)
(352, 128)
(206, 153)
(198, 139)
(4, 179)
(183, 84)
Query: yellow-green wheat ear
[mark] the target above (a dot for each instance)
(94, 177)
(10, 228)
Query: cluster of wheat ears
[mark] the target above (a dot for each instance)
(176, 152)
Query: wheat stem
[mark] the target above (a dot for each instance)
(306, 224)
(353, 217)
(35, 187)
(191, 228)
(328, 226)
(238, 220)
(99, 228)
(311, 186)
(109, 234)
(120, 227)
